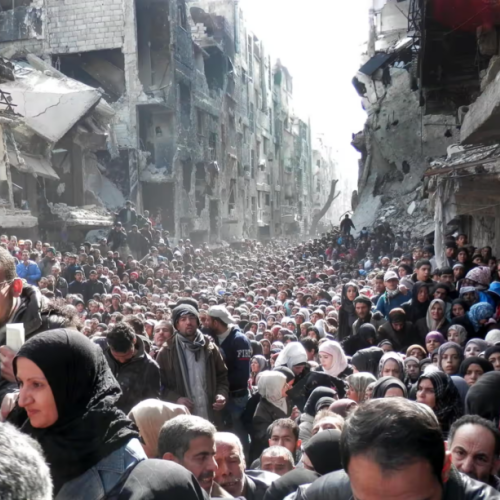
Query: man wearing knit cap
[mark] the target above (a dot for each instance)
(236, 351)
(193, 372)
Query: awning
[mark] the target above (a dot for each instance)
(376, 62)
(34, 165)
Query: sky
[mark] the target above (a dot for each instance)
(320, 42)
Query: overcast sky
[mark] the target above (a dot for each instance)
(320, 42)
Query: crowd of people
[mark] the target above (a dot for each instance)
(339, 368)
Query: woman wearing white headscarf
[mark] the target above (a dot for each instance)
(272, 387)
(293, 356)
(332, 358)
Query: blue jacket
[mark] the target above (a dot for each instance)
(385, 305)
(31, 273)
(98, 481)
(236, 351)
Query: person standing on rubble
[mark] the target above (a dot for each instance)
(127, 215)
(117, 237)
(346, 225)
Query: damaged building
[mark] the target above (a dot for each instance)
(200, 125)
(430, 144)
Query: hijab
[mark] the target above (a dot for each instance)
(149, 416)
(449, 406)
(324, 403)
(89, 426)
(491, 350)
(435, 336)
(493, 337)
(462, 332)
(339, 360)
(479, 312)
(316, 395)
(460, 302)
(482, 362)
(367, 360)
(462, 387)
(432, 324)
(384, 384)
(343, 407)
(483, 398)
(261, 360)
(393, 357)
(359, 382)
(292, 355)
(416, 346)
(348, 305)
(416, 309)
(256, 347)
(323, 450)
(482, 344)
(366, 333)
(450, 345)
(270, 387)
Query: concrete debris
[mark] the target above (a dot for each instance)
(412, 208)
(89, 215)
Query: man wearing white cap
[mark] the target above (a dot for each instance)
(236, 351)
(392, 297)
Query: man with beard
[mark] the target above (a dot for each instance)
(362, 307)
(190, 442)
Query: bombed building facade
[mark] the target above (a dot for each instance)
(429, 147)
(201, 129)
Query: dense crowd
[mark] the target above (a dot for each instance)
(339, 368)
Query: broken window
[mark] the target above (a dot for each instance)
(215, 69)
(200, 125)
(212, 146)
(200, 188)
(266, 146)
(185, 98)
(153, 43)
(187, 169)
(231, 206)
(99, 69)
(252, 163)
(159, 198)
(252, 117)
(12, 4)
(268, 199)
(181, 14)
(250, 57)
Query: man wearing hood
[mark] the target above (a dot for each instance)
(193, 372)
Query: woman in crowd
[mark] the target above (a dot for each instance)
(322, 452)
(458, 334)
(434, 321)
(149, 416)
(412, 370)
(266, 348)
(450, 357)
(71, 411)
(358, 382)
(479, 315)
(347, 312)
(367, 360)
(332, 358)
(257, 365)
(473, 368)
(459, 309)
(492, 354)
(436, 390)
(389, 387)
(433, 340)
(416, 351)
(391, 365)
(366, 337)
(294, 356)
(483, 398)
(475, 347)
(417, 307)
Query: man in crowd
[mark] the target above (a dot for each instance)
(193, 372)
(284, 432)
(28, 270)
(277, 459)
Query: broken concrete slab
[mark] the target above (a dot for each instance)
(81, 216)
(50, 106)
(412, 208)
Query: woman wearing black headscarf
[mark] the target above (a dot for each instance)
(366, 337)
(367, 360)
(472, 369)
(399, 331)
(347, 311)
(307, 417)
(69, 396)
(483, 398)
(416, 308)
(389, 387)
(322, 452)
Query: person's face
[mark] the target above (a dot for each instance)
(457, 311)
(200, 460)
(461, 240)
(78, 277)
(326, 424)
(423, 295)
(187, 325)
(298, 369)
(231, 468)
(412, 482)
(494, 359)
(453, 336)
(398, 326)
(394, 392)
(391, 284)
(450, 252)
(447, 278)
(279, 465)
(391, 369)
(437, 312)
(326, 360)
(282, 436)
(472, 350)
(423, 273)
(450, 361)
(462, 257)
(123, 357)
(362, 310)
(352, 394)
(478, 260)
(426, 393)
(417, 353)
(26, 256)
(351, 293)
(473, 452)
(254, 366)
(35, 395)
(469, 297)
(413, 369)
(162, 334)
(431, 345)
(387, 348)
(473, 374)
(440, 293)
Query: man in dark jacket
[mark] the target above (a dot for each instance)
(137, 374)
(59, 282)
(92, 286)
(48, 262)
(231, 474)
(236, 352)
(395, 445)
(117, 237)
(72, 267)
(137, 242)
(77, 287)
(127, 215)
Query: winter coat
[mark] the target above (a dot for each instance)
(90, 288)
(399, 340)
(116, 239)
(31, 273)
(172, 383)
(139, 378)
(46, 266)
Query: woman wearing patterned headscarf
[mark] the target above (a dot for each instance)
(479, 315)
(458, 334)
(438, 392)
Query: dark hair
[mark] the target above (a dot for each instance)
(395, 433)
(423, 262)
(476, 420)
(290, 337)
(284, 423)
(8, 264)
(380, 276)
(310, 344)
(136, 323)
(446, 270)
(121, 337)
